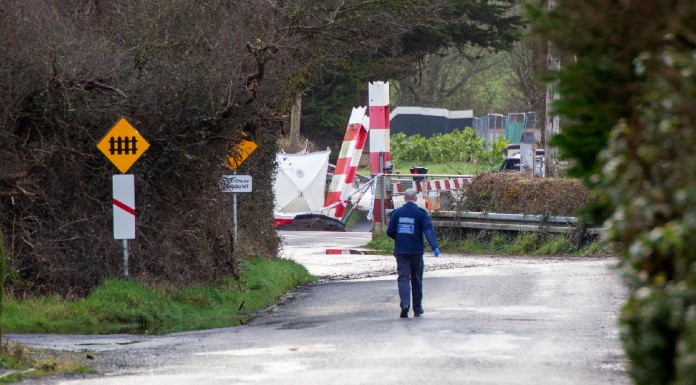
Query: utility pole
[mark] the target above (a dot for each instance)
(552, 128)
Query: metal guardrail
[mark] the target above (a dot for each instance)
(510, 222)
(473, 220)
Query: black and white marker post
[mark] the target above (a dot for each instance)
(124, 213)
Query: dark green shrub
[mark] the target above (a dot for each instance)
(650, 331)
(629, 94)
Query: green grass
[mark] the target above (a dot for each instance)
(455, 168)
(381, 243)
(355, 217)
(22, 362)
(14, 356)
(521, 244)
(120, 306)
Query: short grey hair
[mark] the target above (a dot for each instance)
(411, 195)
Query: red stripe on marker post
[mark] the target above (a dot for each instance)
(123, 207)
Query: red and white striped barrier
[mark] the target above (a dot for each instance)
(434, 185)
(348, 160)
(379, 126)
(431, 190)
(445, 184)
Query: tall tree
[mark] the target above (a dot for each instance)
(411, 32)
(480, 80)
(527, 62)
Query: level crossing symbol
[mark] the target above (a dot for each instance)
(123, 145)
(118, 146)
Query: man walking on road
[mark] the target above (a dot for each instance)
(407, 226)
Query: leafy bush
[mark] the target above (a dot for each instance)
(628, 96)
(515, 193)
(495, 155)
(557, 245)
(455, 146)
(55, 186)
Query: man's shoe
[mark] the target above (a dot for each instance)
(417, 313)
(404, 312)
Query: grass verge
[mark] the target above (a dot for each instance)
(355, 217)
(120, 306)
(19, 362)
(538, 244)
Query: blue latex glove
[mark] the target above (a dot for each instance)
(436, 252)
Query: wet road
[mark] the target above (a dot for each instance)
(488, 320)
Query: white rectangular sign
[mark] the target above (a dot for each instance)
(236, 183)
(124, 206)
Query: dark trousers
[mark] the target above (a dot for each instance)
(410, 269)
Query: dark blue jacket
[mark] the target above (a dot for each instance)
(407, 225)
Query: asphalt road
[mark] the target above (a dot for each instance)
(488, 320)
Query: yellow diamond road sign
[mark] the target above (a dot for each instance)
(243, 150)
(123, 145)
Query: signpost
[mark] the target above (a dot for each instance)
(235, 184)
(123, 145)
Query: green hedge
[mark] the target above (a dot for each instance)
(516, 193)
(628, 97)
(457, 146)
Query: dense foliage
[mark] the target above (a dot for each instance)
(516, 193)
(630, 95)
(69, 70)
(327, 105)
(456, 146)
(193, 77)
(435, 27)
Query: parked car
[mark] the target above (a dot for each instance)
(512, 163)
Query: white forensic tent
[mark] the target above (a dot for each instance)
(300, 182)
